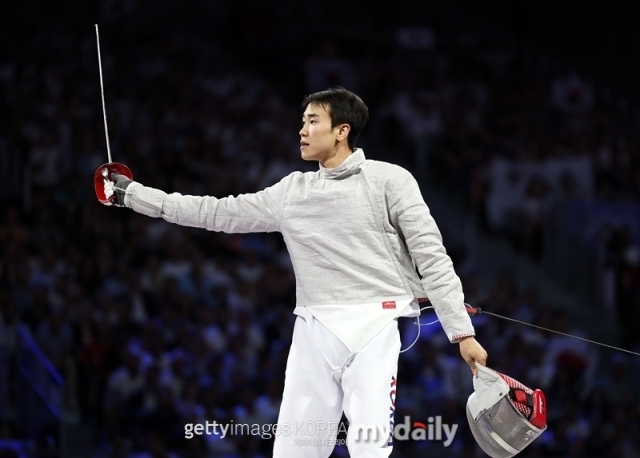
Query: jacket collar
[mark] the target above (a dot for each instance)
(351, 165)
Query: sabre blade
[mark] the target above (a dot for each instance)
(104, 110)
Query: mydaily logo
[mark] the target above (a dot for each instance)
(433, 430)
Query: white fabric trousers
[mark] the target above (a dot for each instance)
(323, 379)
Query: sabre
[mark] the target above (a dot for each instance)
(103, 173)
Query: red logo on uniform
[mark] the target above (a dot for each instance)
(389, 305)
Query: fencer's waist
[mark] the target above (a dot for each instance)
(405, 305)
(357, 324)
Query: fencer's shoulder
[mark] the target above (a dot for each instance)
(387, 170)
(292, 178)
(299, 177)
(295, 181)
(295, 175)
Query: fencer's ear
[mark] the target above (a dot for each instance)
(343, 131)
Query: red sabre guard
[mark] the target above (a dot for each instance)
(103, 173)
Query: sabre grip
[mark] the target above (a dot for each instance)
(121, 182)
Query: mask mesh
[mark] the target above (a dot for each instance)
(506, 422)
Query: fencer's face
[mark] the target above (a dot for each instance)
(317, 138)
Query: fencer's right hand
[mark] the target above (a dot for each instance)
(116, 186)
(472, 352)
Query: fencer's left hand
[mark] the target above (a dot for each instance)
(472, 351)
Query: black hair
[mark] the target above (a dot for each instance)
(344, 107)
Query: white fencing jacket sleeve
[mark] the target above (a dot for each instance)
(411, 216)
(259, 212)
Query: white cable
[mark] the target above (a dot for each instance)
(123, 191)
(104, 110)
(416, 339)
(426, 324)
(419, 326)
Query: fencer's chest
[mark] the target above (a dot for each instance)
(336, 208)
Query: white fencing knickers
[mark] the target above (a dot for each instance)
(323, 378)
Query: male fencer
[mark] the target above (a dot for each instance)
(357, 230)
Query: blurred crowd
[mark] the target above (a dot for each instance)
(155, 326)
(510, 133)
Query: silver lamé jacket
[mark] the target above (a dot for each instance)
(355, 233)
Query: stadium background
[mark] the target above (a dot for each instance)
(520, 121)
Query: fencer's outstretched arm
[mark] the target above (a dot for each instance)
(258, 212)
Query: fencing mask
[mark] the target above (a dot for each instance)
(504, 415)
